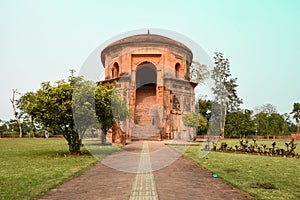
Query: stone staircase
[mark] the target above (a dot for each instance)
(146, 98)
(145, 133)
(144, 130)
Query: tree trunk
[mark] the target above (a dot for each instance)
(221, 109)
(103, 136)
(224, 121)
(74, 142)
(12, 100)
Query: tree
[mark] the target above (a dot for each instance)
(268, 109)
(276, 124)
(273, 124)
(224, 89)
(83, 106)
(51, 106)
(3, 127)
(261, 121)
(291, 127)
(28, 106)
(204, 107)
(194, 119)
(198, 72)
(239, 123)
(70, 107)
(103, 98)
(16, 114)
(296, 114)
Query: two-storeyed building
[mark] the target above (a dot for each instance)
(153, 72)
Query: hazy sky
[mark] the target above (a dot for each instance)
(42, 40)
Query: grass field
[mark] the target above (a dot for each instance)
(31, 167)
(263, 177)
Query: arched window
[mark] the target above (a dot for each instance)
(177, 69)
(115, 70)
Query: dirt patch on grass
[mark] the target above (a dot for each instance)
(231, 170)
(264, 185)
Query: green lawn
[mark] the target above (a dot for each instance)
(253, 173)
(31, 167)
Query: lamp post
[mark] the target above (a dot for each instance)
(208, 132)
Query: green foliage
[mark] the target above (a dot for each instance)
(296, 114)
(224, 89)
(83, 106)
(204, 107)
(242, 122)
(103, 98)
(51, 106)
(194, 120)
(198, 72)
(71, 107)
(119, 105)
(239, 123)
(274, 124)
(225, 86)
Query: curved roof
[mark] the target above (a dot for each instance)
(146, 40)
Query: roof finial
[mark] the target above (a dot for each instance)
(148, 32)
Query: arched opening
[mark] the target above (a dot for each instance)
(146, 77)
(115, 70)
(177, 70)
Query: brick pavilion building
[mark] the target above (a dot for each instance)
(153, 73)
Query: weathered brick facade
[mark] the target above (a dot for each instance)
(153, 72)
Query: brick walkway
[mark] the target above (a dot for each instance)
(160, 173)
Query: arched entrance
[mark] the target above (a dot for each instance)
(146, 78)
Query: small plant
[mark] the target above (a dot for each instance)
(223, 146)
(245, 147)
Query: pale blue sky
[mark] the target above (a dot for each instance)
(42, 40)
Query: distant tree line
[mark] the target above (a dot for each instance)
(229, 119)
(262, 121)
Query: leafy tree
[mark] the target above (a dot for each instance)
(71, 107)
(28, 106)
(296, 114)
(204, 107)
(276, 124)
(83, 106)
(194, 119)
(273, 124)
(51, 106)
(261, 121)
(11, 126)
(103, 98)
(239, 123)
(198, 72)
(224, 89)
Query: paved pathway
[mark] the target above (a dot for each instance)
(145, 170)
(144, 186)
